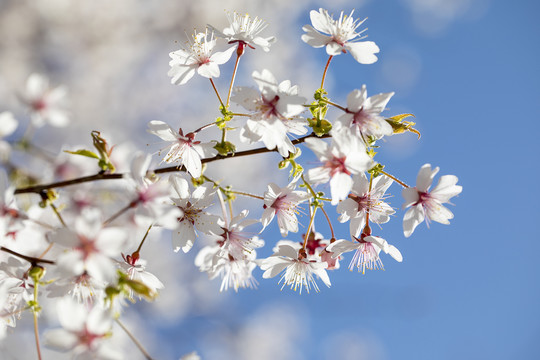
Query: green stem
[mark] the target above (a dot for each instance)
(217, 93)
(394, 178)
(233, 77)
(325, 70)
(135, 341)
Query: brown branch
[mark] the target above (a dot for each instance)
(101, 176)
(30, 259)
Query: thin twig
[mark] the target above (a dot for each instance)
(135, 341)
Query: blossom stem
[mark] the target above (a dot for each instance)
(107, 176)
(325, 70)
(217, 93)
(143, 239)
(308, 231)
(223, 209)
(394, 178)
(233, 76)
(135, 341)
(30, 259)
(35, 312)
(369, 200)
(204, 127)
(329, 222)
(246, 194)
(334, 104)
(231, 191)
(119, 212)
(55, 209)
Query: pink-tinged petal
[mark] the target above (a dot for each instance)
(413, 217)
(60, 339)
(410, 195)
(425, 177)
(314, 38)
(209, 70)
(162, 130)
(181, 74)
(223, 56)
(446, 188)
(363, 52)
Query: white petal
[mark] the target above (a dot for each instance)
(425, 177)
(363, 52)
(413, 217)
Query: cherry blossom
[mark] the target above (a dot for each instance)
(136, 270)
(367, 252)
(152, 203)
(363, 113)
(342, 36)
(344, 157)
(245, 31)
(299, 271)
(91, 248)
(197, 57)
(84, 332)
(274, 112)
(183, 149)
(361, 201)
(282, 202)
(236, 242)
(193, 215)
(428, 205)
(47, 105)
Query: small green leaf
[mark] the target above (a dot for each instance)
(225, 147)
(83, 152)
(320, 127)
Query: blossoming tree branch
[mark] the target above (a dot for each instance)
(87, 258)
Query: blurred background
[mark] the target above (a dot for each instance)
(467, 69)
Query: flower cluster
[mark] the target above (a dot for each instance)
(91, 258)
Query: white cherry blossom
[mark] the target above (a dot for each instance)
(344, 157)
(427, 204)
(298, 271)
(90, 248)
(197, 57)
(361, 200)
(275, 109)
(367, 249)
(47, 105)
(363, 113)
(282, 203)
(193, 216)
(182, 148)
(342, 36)
(245, 30)
(84, 331)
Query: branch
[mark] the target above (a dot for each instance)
(101, 176)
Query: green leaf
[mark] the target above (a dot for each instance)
(83, 152)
